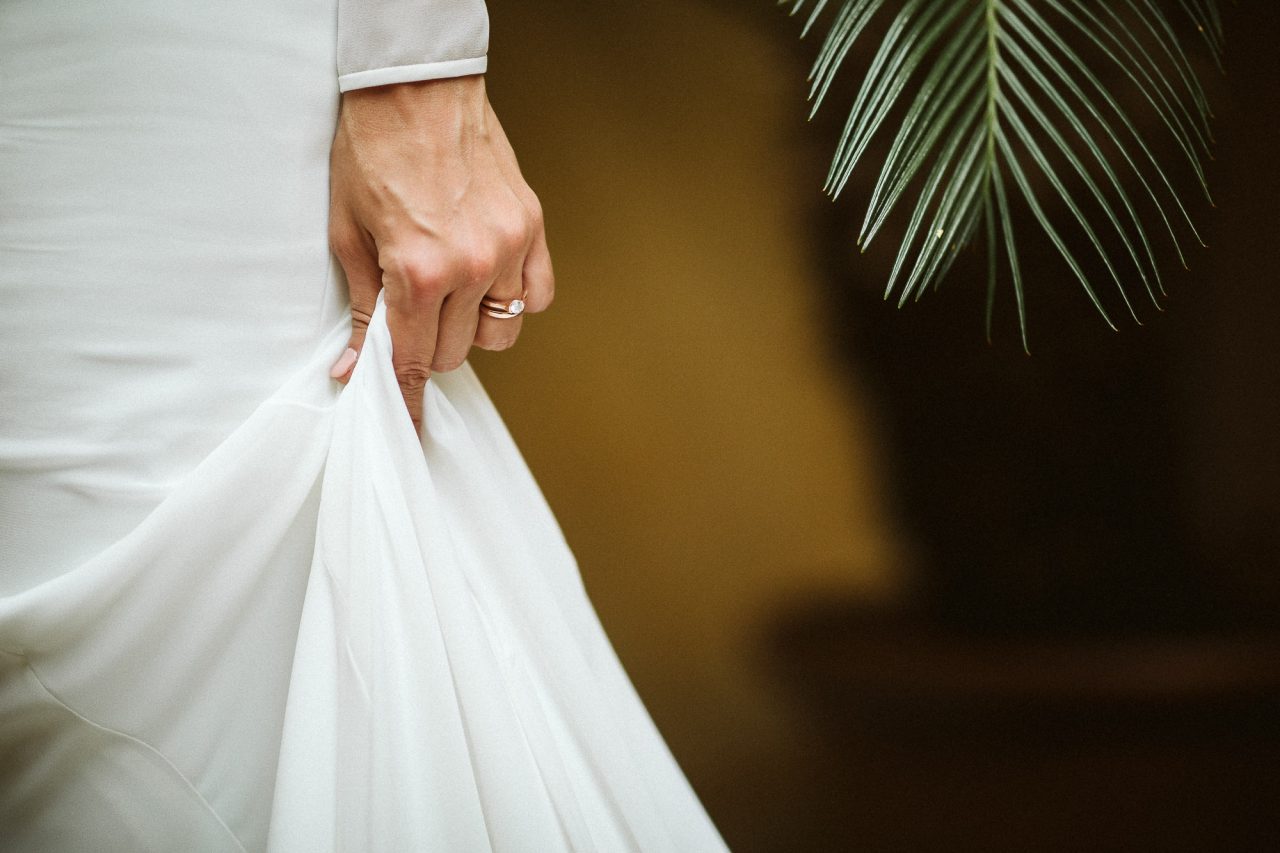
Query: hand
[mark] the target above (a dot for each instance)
(427, 201)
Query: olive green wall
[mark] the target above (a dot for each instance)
(678, 404)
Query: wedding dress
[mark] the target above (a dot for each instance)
(243, 608)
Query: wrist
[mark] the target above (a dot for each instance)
(424, 103)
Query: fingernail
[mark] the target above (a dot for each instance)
(344, 363)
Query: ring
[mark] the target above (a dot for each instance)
(503, 310)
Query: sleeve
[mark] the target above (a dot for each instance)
(400, 41)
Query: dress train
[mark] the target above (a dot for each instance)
(335, 636)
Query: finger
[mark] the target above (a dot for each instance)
(413, 316)
(499, 333)
(539, 278)
(458, 322)
(355, 253)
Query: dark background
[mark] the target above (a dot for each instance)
(883, 585)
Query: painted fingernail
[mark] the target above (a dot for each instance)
(344, 363)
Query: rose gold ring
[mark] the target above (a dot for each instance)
(503, 309)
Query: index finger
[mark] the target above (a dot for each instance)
(413, 318)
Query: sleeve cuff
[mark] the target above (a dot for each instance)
(412, 73)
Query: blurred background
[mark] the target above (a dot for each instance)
(881, 584)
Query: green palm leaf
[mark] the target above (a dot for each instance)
(1001, 102)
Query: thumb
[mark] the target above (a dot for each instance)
(364, 280)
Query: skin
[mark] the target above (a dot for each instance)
(427, 203)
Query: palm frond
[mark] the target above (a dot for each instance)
(993, 103)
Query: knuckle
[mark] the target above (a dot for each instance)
(427, 280)
(430, 288)
(537, 217)
(448, 361)
(514, 235)
(360, 318)
(421, 275)
(495, 341)
(413, 377)
(517, 232)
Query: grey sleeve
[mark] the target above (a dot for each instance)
(399, 41)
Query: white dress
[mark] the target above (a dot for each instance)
(243, 608)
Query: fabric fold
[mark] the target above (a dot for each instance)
(342, 636)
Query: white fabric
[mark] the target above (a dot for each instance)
(413, 73)
(241, 607)
(397, 41)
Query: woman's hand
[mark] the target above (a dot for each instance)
(427, 201)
